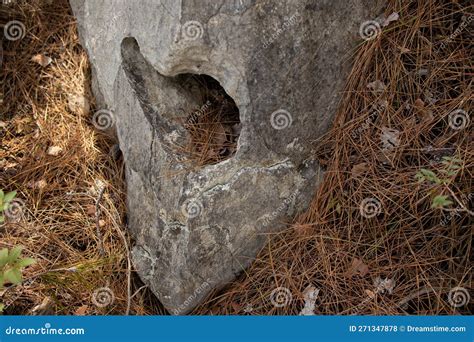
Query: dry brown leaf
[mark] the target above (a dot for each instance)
(42, 60)
(377, 86)
(384, 285)
(236, 306)
(430, 97)
(426, 115)
(392, 17)
(90, 210)
(371, 294)
(419, 103)
(360, 267)
(359, 169)
(357, 267)
(390, 138)
(41, 184)
(81, 311)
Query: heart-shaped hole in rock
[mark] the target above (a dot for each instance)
(214, 127)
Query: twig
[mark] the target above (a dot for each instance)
(129, 272)
(137, 291)
(97, 220)
(460, 203)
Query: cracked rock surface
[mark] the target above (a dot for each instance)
(283, 63)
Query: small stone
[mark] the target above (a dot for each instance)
(42, 60)
(79, 104)
(54, 151)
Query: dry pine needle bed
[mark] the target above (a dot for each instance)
(389, 230)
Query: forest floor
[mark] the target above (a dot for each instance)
(389, 230)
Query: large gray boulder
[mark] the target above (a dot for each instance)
(282, 62)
